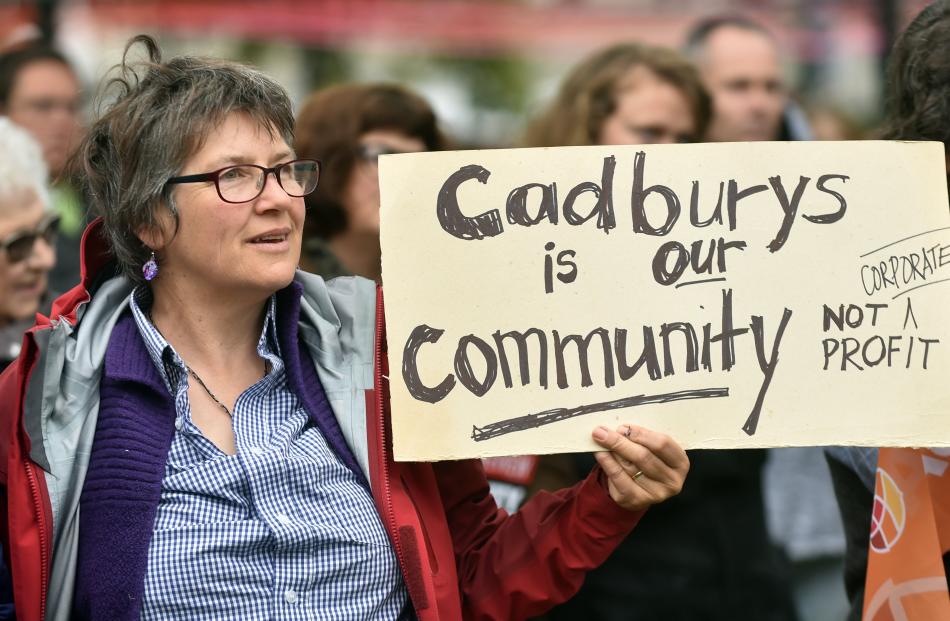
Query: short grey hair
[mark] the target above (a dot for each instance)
(699, 35)
(160, 114)
(22, 168)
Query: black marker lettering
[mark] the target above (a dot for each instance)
(604, 207)
(453, 221)
(789, 208)
(516, 206)
(638, 199)
(767, 366)
(830, 218)
(410, 371)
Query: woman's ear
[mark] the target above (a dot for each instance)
(157, 236)
(153, 237)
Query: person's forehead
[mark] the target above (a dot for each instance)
(45, 76)
(645, 88)
(393, 138)
(19, 211)
(730, 49)
(644, 82)
(657, 102)
(239, 135)
(635, 77)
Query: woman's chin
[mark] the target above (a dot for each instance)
(246, 278)
(278, 277)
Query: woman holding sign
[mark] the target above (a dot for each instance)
(197, 435)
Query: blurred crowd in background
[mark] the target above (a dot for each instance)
(753, 531)
(486, 66)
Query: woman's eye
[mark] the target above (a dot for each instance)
(233, 174)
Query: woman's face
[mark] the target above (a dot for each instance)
(649, 110)
(23, 282)
(361, 193)
(250, 247)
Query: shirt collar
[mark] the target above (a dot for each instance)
(170, 366)
(269, 338)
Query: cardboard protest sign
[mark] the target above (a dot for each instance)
(731, 295)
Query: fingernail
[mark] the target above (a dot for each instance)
(600, 433)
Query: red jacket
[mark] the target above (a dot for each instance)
(461, 556)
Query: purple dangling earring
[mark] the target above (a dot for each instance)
(150, 268)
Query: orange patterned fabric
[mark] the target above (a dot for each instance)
(910, 531)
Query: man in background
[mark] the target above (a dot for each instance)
(740, 63)
(39, 91)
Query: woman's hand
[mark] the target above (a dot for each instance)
(643, 467)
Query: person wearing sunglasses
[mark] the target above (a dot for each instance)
(202, 430)
(41, 92)
(27, 236)
(347, 127)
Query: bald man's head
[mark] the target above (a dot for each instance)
(739, 62)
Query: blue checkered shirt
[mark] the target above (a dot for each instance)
(280, 530)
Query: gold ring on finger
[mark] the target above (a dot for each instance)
(638, 475)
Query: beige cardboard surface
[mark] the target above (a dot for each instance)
(733, 311)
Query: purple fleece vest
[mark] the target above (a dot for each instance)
(127, 462)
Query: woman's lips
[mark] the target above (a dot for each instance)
(273, 241)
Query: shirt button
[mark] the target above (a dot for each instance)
(290, 596)
(283, 519)
(179, 423)
(256, 450)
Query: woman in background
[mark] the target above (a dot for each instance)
(625, 94)
(27, 232)
(347, 128)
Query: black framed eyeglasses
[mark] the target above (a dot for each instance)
(19, 246)
(244, 182)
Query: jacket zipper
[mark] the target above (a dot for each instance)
(44, 547)
(381, 421)
(32, 476)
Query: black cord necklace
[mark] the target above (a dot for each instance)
(195, 375)
(197, 378)
(208, 390)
